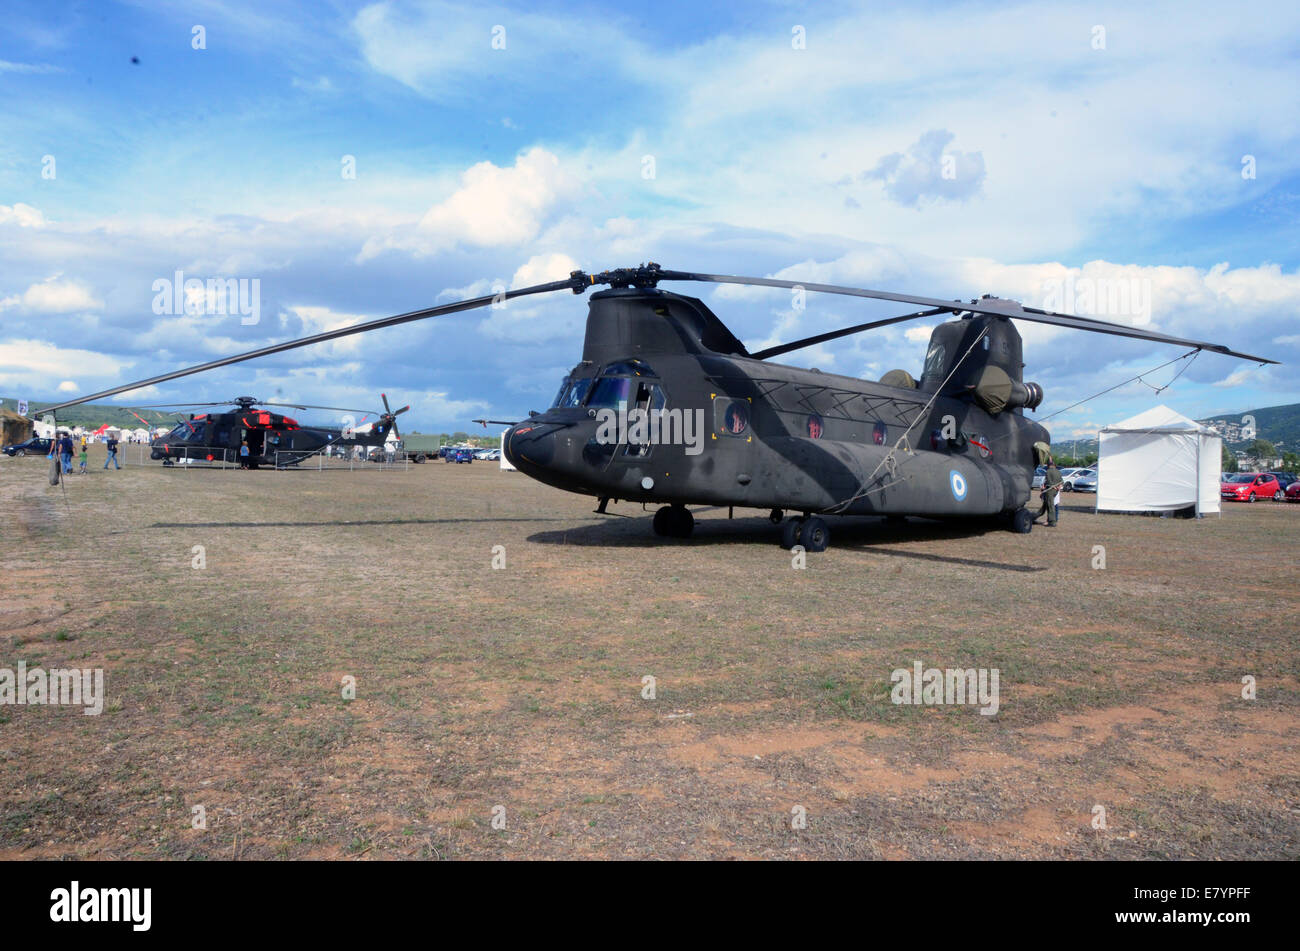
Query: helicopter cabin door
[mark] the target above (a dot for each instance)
(637, 443)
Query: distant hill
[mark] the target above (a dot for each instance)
(94, 415)
(1280, 425)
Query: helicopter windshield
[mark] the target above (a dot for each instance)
(610, 392)
(935, 361)
(184, 431)
(572, 393)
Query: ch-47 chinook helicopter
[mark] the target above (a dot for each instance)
(273, 438)
(668, 407)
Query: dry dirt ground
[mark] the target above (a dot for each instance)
(519, 691)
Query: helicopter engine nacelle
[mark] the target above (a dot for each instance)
(1026, 395)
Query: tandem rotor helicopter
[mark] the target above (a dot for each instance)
(668, 407)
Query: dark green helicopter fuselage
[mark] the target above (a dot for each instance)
(770, 436)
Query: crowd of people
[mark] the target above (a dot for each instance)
(63, 447)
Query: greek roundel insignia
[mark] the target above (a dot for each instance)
(957, 482)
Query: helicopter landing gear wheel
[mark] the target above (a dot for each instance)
(814, 535)
(790, 532)
(1022, 521)
(674, 521)
(776, 516)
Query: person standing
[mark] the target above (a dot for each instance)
(243, 454)
(65, 453)
(112, 453)
(1051, 489)
(84, 456)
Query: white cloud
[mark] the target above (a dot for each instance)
(6, 66)
(53, 296)
(493, 207)
(544, 268)
(25, 216)
(929, 171)
(496, 206)
(68, 386)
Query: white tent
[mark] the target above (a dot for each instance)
(1158, 461)
(505, 463)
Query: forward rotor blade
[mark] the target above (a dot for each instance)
(857, 328)
(572, 283)
(333, 409)
(993, 306)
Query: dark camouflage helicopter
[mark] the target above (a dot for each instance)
(668, 407)
(273, 438)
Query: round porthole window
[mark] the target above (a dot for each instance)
(815, 427)
(736, 418)
(878, 433)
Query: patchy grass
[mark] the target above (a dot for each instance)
(522, 688)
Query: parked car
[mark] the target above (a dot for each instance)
(1284, 479)
(32, 447)
(1040, 475)
(459, 454)
(1085, 481)
(1249, 486)
(1070, 483)
(1293, 492)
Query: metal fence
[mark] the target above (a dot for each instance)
(349, 458)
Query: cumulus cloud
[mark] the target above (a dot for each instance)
(492, 207)
(22, 215)
(54, 296)
(496, 206)
(928, 173)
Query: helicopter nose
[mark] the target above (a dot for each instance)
(530, 444)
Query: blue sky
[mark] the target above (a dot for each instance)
(940, 149)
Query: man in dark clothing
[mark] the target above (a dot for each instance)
(112, 453)
(65, 452)
(1051, 489)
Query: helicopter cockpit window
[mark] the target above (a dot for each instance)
(182, 431)
(610, 392)
(936, 360)
(573, 393)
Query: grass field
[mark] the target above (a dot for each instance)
(521, 688)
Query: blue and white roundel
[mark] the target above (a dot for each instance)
(957, 482)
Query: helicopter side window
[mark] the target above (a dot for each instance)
(730, 417)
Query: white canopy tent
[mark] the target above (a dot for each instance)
(1158, 461)
(505, 463)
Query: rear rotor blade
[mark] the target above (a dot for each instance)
(993, 306)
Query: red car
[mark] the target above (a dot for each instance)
(1293, 492)
(1249, 486)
